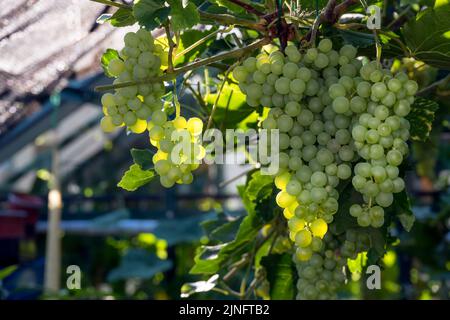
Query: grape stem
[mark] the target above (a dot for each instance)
(171, 48)
(330, 15)
(227, 19)
(219, 93)
(113, 4)
(203, 40)
(196, 64)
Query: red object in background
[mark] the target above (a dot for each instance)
(28, 203)
(12, 224)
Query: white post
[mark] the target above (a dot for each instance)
(53, 247)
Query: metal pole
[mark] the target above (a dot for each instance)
(53, 246)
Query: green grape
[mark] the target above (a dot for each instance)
(341, 105)
(325, 45)
(379, 90)
(394, 158)
(336, 90)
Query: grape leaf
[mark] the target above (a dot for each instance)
(231, 108)
(183, 18)
(356, 265)
(122, 18)
(135, 177)
(143, 157)
(259, 200)
(402, 208)
(227, 231)
(421, 118)
(281, 275)
(109, 55)
(428, 36)
(150, 14)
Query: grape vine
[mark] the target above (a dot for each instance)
(343, 120)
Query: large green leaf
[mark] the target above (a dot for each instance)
(135, 177)
(258, 197)
(281, 275)
(150, 14)
(421, 118)
(109, 55)
(428, 36)
(183, 17)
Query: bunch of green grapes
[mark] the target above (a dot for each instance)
(380, 134)
(132, 106)
(335, 115)
(322, 275)
(179, 147)
(316, 148)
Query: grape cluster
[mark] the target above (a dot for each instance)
(380, 134)
(133, 105)
(336, 118)
(322, 275)
(316, 147)
(179, 147)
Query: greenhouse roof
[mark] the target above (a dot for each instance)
(42, 45)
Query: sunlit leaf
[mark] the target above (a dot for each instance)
(135, 177)
(190, 288)
(356, 265)
(232, 108)
(109, 55)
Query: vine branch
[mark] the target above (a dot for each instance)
(227, 19)
(196, 64)
(330, 15)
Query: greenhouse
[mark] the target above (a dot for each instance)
(224, 150)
